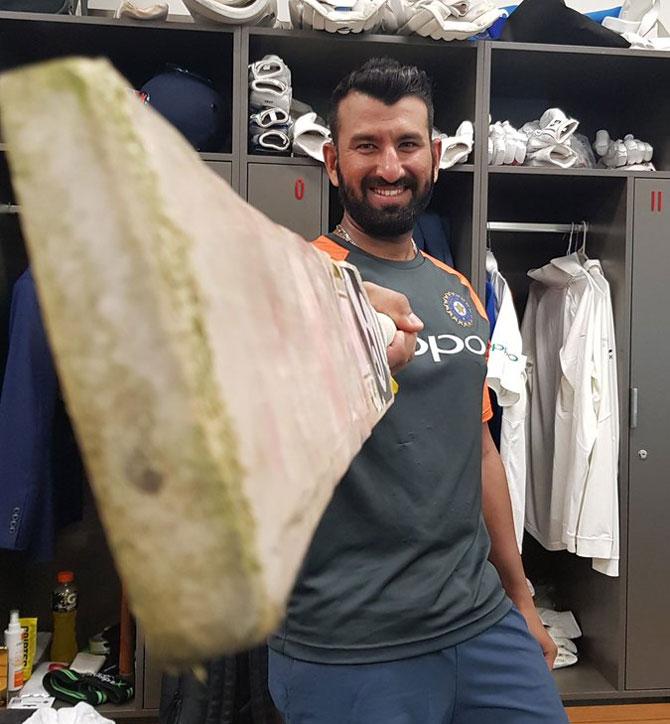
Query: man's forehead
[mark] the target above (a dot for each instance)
(361, 113)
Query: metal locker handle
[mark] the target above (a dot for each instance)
(633, 408)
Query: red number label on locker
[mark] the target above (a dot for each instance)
(299, 189)
(657, 201)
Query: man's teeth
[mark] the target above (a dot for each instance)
(389, 192)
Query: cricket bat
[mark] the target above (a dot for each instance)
(220, 372)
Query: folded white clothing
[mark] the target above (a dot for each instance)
(232, 12)
(271, 66)
(82, 713)
(560, 623)
(269, 93)
(142, 10)
(309, 137)
(457, 148)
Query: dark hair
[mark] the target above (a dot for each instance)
(386, 80)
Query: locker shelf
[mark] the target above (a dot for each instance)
(593, 172)
(582, 682)
(307, 161)
(282, 160)
(205, 156)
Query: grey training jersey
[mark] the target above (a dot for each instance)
(398, 564)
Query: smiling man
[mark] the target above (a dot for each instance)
(412, 605)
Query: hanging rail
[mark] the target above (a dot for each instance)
(9, 209)
(522, 226)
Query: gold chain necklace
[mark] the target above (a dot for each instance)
(341, 231)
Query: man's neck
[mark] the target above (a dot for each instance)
(397, 248)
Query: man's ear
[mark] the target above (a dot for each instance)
(437, 155)
(330, 160)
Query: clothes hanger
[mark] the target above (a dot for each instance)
(581, 253)
(572, 231)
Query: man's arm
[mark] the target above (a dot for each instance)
(504, 551)
(401, 350)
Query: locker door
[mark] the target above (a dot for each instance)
(648, 616)
(222, 168)
(289, 195)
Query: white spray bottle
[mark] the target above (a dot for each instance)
(14, 653)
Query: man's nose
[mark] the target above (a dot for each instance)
(390, 168)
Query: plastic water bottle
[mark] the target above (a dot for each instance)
(64, 601)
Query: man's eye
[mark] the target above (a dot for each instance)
(409, 145)
(365, 147)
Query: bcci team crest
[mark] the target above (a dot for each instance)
(459, 309)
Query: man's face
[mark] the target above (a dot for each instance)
(385, 164)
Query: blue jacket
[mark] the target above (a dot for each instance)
(431, 233)
(40, 467)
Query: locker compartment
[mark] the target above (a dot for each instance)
(289, 195)
(138, 53)
(619, 91)
(598, 601)
(319, 61)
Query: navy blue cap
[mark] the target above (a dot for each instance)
(190, 103)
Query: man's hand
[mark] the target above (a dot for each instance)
(539, 632)
(401, 350)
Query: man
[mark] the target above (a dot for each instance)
(412, 605)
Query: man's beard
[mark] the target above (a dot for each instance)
(392, 220)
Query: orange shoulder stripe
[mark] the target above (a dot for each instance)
(475, 299)
(487, 408)
(334, 251)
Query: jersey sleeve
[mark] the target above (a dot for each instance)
(487, 408)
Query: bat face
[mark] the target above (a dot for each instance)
(220, 372)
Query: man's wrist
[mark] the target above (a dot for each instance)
(520, 594)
